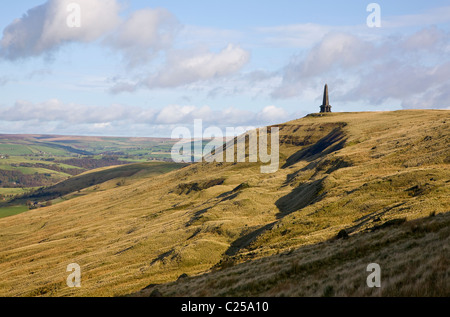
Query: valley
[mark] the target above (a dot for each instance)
(30, 162)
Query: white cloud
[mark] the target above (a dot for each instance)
(199, 66)
(145, 38)
(184, 68)
(72, 113)
(46, 113)
(336, 51)
(412, 69)
(145, 33)
(426, 39)
(174, 114)
(44, 28)
(141, 37)
(273, 114)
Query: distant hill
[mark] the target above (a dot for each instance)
(352, 189)
(31, 161)
(13, 144)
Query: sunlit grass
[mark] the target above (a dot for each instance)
(148, 231)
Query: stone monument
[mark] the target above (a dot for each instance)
(325, 107)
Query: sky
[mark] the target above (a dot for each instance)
(143, 68)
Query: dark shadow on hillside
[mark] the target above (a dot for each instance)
(304, 195)
(333, 142)
(163, 257)
(324, 165)
(374, 217)
(187, 188)
(307, 193)
(244, 241)
(199, 214)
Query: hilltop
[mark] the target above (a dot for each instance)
(370, 178)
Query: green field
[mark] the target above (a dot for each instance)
(15, 149)
(12, 211)
(32, 170)
(13, 191)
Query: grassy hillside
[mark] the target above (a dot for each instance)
(413, 257)
(340, 173)
(120, 175)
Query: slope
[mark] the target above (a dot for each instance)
(414, 259)
(96, 177)
(343, 171)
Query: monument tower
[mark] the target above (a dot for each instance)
(325, 107)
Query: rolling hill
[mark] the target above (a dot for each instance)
(352, 188)
(118, 174)
(13, 144)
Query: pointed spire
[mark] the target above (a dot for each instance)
(326, 102)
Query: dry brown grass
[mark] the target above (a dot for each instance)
(414, 259)
(392, 165)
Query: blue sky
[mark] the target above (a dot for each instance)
(142, 68)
